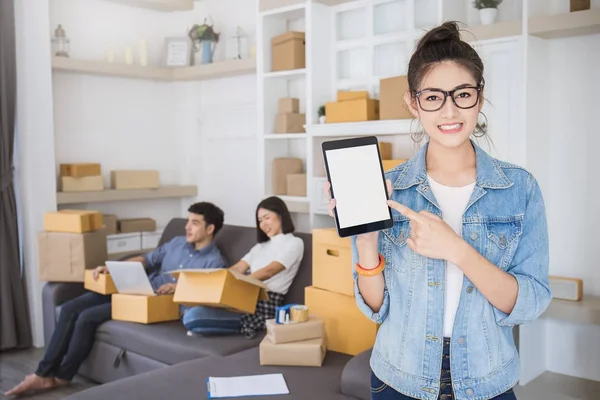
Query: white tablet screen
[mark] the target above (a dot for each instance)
(355, 175)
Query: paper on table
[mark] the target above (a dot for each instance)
(252, 385)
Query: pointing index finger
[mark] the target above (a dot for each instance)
(407, 212)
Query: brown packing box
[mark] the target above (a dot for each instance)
(579, 5)
(313, 328)
(347, 329)
(104, 284)
(282, 167)
(288, 51)
(332, 262)
(346, 95)
(64, 257)
(79, 170)
(352, 111)
(222, 288)
(290, 123)
(296, 185)
(72, 221)
(133, 225)
(144, 309)
(389, 164)
(134, 179)
(391, 98)
(289, 105)
(306, 353)
(110, 224)
(385, 150)
(85, 184)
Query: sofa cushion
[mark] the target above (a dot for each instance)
(188, 380)
(168, 343)
(356, 377)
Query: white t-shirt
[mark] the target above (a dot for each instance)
(452, 201)
(286, 249)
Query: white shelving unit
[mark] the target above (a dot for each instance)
(351, 45)
(159, 5)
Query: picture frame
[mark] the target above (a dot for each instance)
(178, 51)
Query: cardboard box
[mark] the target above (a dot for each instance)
(290, 123)
(134, 179)
(296, 185)
(391, 98)
(288, 51)
(347, 95)
(579, 5)
(64, 257)
(389, 164)
(286, 333)
(385, 150)
(144, 309)
(85, 184)
(72, 221)
(282, 167)
(79, 170)
(347, 329)
(332, 262)
(289, 105)
(110, 224)
(132, 225)
(104, 284)
(352, 111)
(307, 353)
(222, 288)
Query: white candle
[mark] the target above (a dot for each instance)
(143, 53)
(128, 55)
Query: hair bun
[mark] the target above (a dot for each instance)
(446, 32)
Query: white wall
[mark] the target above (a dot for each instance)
(572, 194)
(35, 168)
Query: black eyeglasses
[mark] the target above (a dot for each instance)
(434, 99)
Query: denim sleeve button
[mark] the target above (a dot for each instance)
(473, 235)
(469, 392)
(461, 340)
(469, 289)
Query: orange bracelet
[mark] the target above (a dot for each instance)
(373, 271)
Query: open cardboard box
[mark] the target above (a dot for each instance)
(222, 288)
(104, 284)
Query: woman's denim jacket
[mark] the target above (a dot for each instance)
(505, 221)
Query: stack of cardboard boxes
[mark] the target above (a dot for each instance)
(81, 177)
(301, 344)
(72, 242)
(289, 177)
(288, 118)
(331, 296)
(385, 150)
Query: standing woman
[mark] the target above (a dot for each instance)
(467, 257)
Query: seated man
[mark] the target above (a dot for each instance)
(73, 337)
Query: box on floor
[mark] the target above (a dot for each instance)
(222, 288)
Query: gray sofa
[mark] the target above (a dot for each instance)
(159, 360)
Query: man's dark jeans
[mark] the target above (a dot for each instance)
(74, 334)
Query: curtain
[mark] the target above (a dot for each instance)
(14, 316)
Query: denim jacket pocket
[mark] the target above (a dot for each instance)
(503, 234)
(400, 257)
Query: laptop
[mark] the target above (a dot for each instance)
(130, 277)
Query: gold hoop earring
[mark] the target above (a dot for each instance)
(481, 127)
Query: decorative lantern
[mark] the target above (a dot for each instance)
(60, 42)
(237, 46)
(205, 40)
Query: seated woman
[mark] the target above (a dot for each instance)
(274, 260)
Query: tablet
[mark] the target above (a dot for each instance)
(357, 182)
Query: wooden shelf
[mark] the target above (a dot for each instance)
(124, 195)
(266, 5)
(585, 311)
(379, 127)
(555, 386)
(159, 5)
(576, 23)
(199, 72)
(280, 136)
(493, 31)
(289, 74)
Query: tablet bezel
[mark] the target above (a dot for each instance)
(349, 143)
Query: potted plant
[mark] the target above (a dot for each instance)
(488, 9)
(205, 40)
(321, 113)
